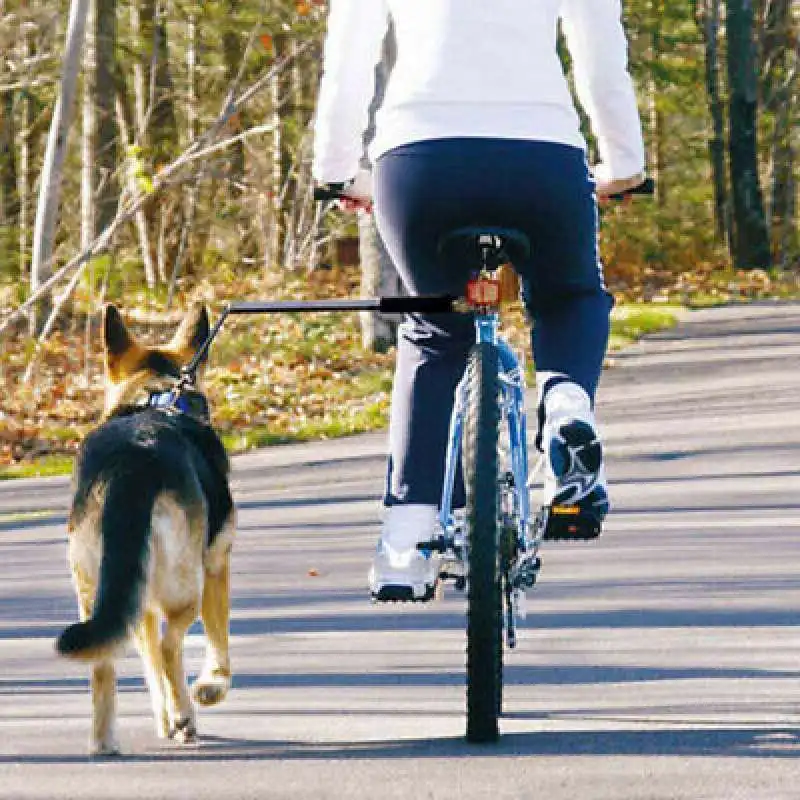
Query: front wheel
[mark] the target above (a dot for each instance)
(484, 600)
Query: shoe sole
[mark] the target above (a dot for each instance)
(390, 593)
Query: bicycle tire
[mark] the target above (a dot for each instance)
(484, 600)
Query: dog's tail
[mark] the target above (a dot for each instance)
(125, 525)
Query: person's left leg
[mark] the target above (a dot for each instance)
(431, 358)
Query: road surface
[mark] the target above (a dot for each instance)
(659, 662)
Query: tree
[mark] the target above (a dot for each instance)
(779, 88)
(750, 235)
(378, 273)
(708, 17)
(9, 196)
(101, 134)
(52, 171)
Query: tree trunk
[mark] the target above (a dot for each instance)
(24, 180)
(378, 277)
(783, 206)
(750, 236)
(709, 21)
(279, 156)
(163, 123)
(378, 273)
(157, 127)
(191, 77)
(232, 54)
(141, 69)
(140, 218)
(9, 199)
(88, 212)
(105, 134)
(657, 158)
(9, 196)
(779, 82)
(50, 186)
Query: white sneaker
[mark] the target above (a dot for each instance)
(574, 474)
(400, 571)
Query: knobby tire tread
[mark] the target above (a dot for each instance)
(484, 602)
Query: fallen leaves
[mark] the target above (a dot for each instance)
(275, 377)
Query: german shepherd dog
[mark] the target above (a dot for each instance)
(150, 533)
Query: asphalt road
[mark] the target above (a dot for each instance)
(659, 662)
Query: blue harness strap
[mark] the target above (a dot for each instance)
(180, 402)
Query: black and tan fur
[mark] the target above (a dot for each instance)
(150, 534)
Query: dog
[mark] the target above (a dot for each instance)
(150, 533)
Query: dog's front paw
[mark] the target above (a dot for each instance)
(184, 731)
(104, 749)
(211, 687)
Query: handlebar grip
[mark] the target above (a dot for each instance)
(647, 186)
(329, 191)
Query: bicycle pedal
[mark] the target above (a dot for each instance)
(439, 544)
(571, 523)
(525, 572)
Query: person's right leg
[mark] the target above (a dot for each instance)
(567, 300)
(427, 189)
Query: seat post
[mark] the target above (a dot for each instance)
(489, 247)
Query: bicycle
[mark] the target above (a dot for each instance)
(492, 549)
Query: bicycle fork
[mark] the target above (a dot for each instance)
(518, 538)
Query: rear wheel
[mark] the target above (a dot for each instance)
(484, 602)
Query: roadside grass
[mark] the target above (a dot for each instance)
(631, 321)
(42, 467)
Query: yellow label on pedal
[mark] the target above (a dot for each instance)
(566, 510)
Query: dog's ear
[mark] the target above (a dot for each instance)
(116, 338)
(192, 332)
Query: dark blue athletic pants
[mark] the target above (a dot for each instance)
(426, 189)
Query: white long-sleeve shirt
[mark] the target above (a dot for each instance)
(486, 68)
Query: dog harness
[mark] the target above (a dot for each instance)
(179, 400)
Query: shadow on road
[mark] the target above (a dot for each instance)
(743, 741)
(527, 675)
(619, 619)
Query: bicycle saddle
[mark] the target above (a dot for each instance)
(504, 245)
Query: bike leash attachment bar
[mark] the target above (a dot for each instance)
(421, 304)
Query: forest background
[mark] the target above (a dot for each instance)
(158, 152)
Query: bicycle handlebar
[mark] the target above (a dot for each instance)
(336, 191)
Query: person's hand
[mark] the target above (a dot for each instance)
(358, 194)
(607, 188)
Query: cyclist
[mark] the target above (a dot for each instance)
(478, 127)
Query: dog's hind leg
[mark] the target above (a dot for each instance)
(104, 709)
(103, 681)
(183, 726)
(148, 643)
(213, 683)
